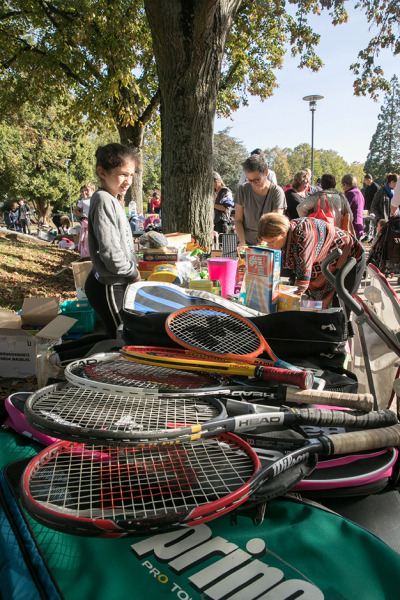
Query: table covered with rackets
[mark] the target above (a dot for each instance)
(189, 463)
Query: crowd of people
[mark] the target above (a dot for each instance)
(305, 221)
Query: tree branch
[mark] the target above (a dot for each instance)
(151, 108)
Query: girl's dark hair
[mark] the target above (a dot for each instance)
(328, 181)
(112, 156)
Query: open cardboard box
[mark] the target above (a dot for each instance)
(177, 239)
(19, 349)
(81, 269)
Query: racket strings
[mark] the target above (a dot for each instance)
(220, 333)
(83, 408)
(99, 482)
(129, 374)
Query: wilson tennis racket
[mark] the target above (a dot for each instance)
(100, 491)
(87, 416)
(151, 355)
(116, 375)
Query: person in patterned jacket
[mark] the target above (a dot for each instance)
(304, 244)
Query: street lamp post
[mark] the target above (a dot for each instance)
(313, 107)
(68, 160)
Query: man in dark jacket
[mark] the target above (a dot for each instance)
(24, 216)
(370, 191)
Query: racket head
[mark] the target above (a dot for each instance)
(113, 374)
(98, 491)
(216, 331)
(88, 416)
(188, 362)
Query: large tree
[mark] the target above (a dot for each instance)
(384, 149)
(190, 45)
(191, 40)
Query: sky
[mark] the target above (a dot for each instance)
(343, 122)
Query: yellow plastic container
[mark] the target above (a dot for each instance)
(167, 273)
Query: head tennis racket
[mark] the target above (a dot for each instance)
(112, 374)
(166, 357)
(216, 331)
(87, 416)
(100, 491)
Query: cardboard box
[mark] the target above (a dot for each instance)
(178, 239)
(81, 270)
(19, 349)
(263, 267)
(287, 298)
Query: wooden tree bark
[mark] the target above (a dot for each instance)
(189, 39)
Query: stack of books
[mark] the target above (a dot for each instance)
(154, 257)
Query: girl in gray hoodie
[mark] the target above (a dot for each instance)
(110, 239)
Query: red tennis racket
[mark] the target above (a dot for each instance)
(100, 491)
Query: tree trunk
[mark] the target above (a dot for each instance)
(43, 208)
(133, 136)
(189, 39)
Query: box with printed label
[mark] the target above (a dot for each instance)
(263, 267)
(19, 348)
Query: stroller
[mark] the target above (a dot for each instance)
(385, 249)
(376, 350)
(10, 224)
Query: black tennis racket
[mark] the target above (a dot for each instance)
(87, 416)
(100, 491)
(112, 374)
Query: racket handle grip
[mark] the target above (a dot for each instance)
(301, 379)
(364, 402)
(282, 364)
(344, 418)
(344, 443)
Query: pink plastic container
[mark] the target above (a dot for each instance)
(223, 269)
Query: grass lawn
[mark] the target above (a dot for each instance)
(27, 269)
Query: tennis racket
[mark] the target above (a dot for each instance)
(116, 375)
(87, 416)
(196, 361)
(165, 357)
(216, 331)
(100, 491)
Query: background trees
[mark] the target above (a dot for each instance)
(210, 56)
(228, 156)
(101, 51)
(34, 144)
(384, 149)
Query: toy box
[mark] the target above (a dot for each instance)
(263, 268)
(287, 298)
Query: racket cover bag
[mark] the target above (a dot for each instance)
(283, 556)
(319, 337)
(147, 305)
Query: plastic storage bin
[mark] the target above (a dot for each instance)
(81, 310)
